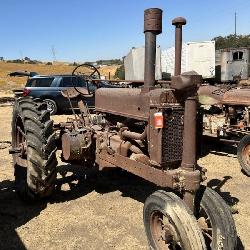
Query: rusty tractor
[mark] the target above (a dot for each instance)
(148, 131)
(227, 118)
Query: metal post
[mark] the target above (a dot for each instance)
(152, 27)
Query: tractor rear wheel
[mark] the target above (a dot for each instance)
(169, 223)
(243, 154)
(33, 149)
(215, 220)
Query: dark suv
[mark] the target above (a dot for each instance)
(49, 87)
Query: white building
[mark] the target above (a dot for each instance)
(197, 56)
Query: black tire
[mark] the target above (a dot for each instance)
(51, 106)
(243, 154)
(36, 177)
(215, 219)
(179, 220)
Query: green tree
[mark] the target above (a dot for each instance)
(120, 73)
(232, 41)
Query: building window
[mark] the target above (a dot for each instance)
(238, 55)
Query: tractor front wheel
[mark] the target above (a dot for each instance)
(215, 220)
(169, 223)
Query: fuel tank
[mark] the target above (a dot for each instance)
(132, 102)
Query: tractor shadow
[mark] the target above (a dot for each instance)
(74, 182)
(82, 182)
(13, 214)
(213, 146)
(77, 181)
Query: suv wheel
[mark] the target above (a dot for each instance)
(51, 106)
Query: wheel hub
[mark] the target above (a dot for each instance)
(164, 232)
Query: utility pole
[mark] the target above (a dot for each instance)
(235, 24)
(53, 51)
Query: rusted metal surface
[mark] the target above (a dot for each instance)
(175, 179)
(178, 22)
(210, 95)
(133, 135)
(152, 27)
(192, 81)
(187, 82)
(129, 81)
(189, 134)
(76, 146)
(237, 97)
(136, 102)
(150, 52)
(153, 20)
(125, 102)
(74, 92)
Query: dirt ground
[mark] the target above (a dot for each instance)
(91, 210)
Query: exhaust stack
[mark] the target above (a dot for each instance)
(152, 27)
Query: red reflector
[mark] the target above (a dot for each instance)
(26, 92)
(158, 120)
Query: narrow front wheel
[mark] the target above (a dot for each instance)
(169, 223)
(215, 220)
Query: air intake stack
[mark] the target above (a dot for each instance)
(178, 22)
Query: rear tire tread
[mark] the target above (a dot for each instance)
(41, 148)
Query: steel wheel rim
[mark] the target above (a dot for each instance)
(206, 227)
(246, 154)
(20, 142)
(163, 232)
(50, 106)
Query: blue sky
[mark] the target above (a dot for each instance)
(84, 30)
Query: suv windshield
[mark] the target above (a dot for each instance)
(72, 82)
(76, 81)
(40, 82)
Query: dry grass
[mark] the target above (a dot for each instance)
(7, 84)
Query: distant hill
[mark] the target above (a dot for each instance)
(8, 83)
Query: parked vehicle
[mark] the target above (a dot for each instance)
(49, 88)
